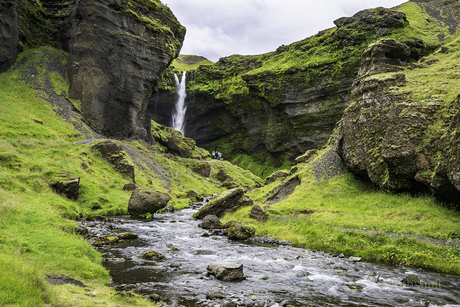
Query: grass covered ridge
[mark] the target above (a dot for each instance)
(344, 215)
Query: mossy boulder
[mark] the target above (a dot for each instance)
(227, 201)
(258, 213)
(173, 140)
(211, 222)
(65, 183)
(238, 231)
(152, 255)
(144, 201)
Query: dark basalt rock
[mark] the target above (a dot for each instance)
(227, 201)
(145, 201)
(211, 222)
(106, 71)
(9, 34)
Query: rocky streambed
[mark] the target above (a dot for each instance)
(166, 258)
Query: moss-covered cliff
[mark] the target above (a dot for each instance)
(117, 50)
(273, 107)
(400, 130)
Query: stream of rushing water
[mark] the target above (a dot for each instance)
(274, 272)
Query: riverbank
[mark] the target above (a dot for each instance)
(330, 214)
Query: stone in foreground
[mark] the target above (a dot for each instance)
(226, 271)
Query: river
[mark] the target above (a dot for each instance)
(277, 273)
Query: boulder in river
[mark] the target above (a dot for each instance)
(211, 222)
(227, 201)
(226, 271)
(411, 280)
(237, 231)
(145, 201)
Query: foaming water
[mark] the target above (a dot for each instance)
(300, 276)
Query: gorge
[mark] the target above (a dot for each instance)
(344, 143)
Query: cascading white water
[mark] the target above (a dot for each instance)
(178, 118)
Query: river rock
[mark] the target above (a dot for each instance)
(237, 231)
(211, 222)
(411, 280)
(145, 201)
(153, 255)
(65, 183)
(226, 271)
(227, 201)
(258, 214)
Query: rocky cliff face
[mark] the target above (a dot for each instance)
(117, 49)
(400, 131)
(257, 104)
(9, 38)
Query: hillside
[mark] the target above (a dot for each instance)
(42, 134)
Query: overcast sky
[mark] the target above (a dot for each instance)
(218, 28)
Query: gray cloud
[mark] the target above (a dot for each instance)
(218, 28)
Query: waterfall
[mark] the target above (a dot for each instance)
(178, 118)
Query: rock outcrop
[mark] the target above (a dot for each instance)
(116, 54)
(117, 51)
(65, 183)
(398, 139)
(9, 34)
(227, 201)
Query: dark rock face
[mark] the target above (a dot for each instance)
(114, 64)
(65, 183)
(380, 18)
(117, 50)
(9, 34)
(144, 201)
(281, 113)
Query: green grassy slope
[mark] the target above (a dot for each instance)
(344, 215)
(37, 226)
